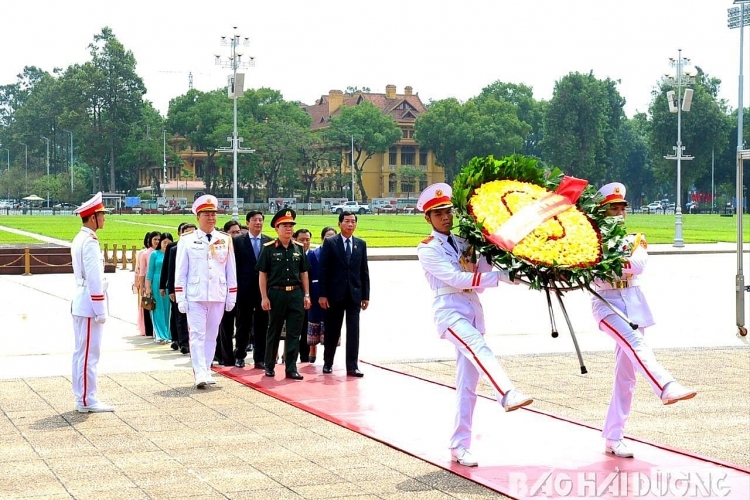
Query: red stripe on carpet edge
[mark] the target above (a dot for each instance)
(678, 451)
(460, 470)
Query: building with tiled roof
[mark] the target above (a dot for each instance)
(382, 173)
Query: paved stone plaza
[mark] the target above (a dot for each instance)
(167, 440)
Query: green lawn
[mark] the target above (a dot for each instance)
(378, 230)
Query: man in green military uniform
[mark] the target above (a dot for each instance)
(284, 290)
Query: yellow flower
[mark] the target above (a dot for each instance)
(565, 240)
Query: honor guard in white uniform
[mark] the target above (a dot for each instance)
(632, 354)
(205, 285)
(455, 280)
(89, 306)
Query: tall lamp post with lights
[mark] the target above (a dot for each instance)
(739, 17)
(234, 89)
(677, 104)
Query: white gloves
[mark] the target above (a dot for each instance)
(502, 275)
(100, 319)
(228, 306)
(182, 307)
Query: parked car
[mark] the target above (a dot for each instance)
(387, 209)
(351, 206)
(655, 206)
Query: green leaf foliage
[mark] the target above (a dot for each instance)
(525, 169)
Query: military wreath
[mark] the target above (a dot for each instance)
(537, 224)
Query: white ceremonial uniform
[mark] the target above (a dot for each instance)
(459, 318)
(205, 287)
(632, 354)
(89, 303)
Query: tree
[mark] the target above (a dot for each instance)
(581, 125)
(115, 94)
(315, 154)
(444, 130)
(350, 91)
(198, 116)
(457, 132)
(373, 133)
(528, 110)
(633, 165)
(410, 176)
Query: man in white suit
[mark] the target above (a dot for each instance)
(89, 306)
(205, 285)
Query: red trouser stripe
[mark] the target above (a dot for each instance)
(645, 370)
(481, 366)
(86, 362)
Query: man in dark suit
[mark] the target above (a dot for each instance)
(177, 320)
(344, 282)
(250, 315)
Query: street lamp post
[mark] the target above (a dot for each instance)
(164, 138)
(353, 198)
(679, 80)
(739, 18)
(7, 171)
(26, 166)
(70, 163)
(235, 89)
(47, 141)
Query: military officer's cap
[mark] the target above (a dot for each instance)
(435, 196)
(205, 203)
(282, 216)
(91, 206)
(614, 192)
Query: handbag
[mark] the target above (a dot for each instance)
(148, 303)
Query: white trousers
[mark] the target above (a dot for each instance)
(473, 359)
(632, 355)
(88, 339)
(203, 326)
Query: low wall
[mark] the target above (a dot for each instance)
(44, 258)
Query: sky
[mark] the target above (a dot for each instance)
(441, 48)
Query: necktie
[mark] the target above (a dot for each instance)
(256, 247)
(452, 243)
(348, 250)
(208, 237)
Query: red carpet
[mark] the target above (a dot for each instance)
(522, 454)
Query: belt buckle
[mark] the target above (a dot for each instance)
(621, 284)
(466, 290)
(288, 288)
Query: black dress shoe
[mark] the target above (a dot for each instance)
(270, 373)
(312, 360)
(184, 350)
(294, 376)
(327, 369)
(354, 373)
(259, 366)
(174, 346)
(239, 363)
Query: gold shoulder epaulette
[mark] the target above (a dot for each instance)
(222, 232)
(428, 239)
(269, 243)
(297, 243)
(188, 231)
